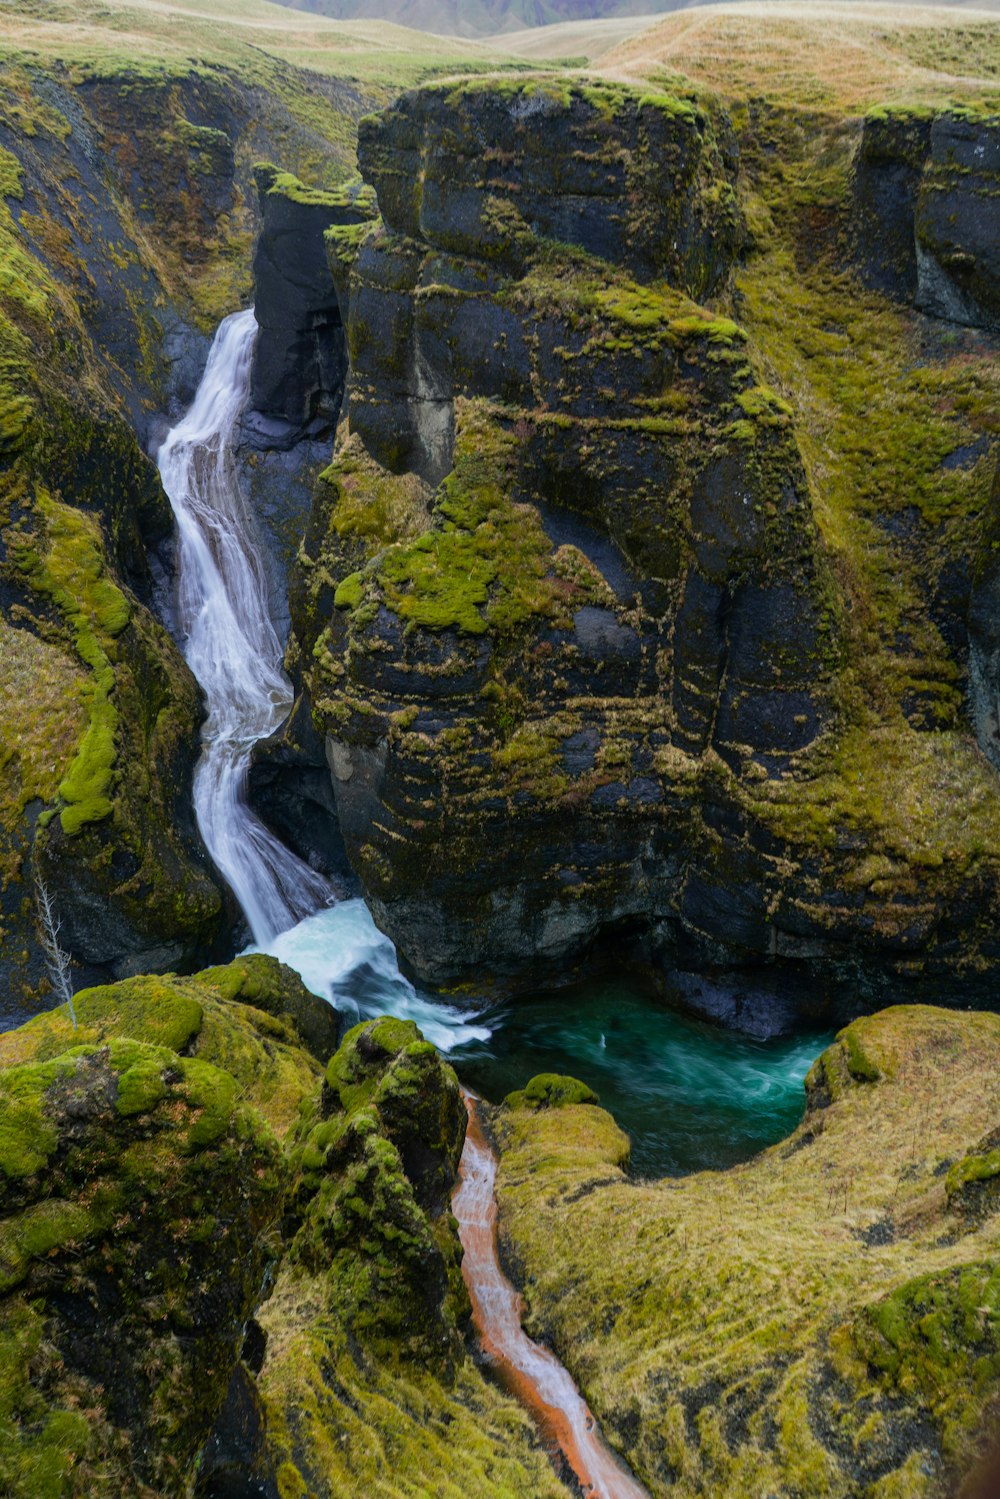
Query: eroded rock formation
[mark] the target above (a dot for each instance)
(571, 614)
(227, 1264)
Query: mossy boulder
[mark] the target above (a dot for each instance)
(139, 1199)
(973, 1183)
(253, 1018)
(822, 1319)
(549, 1090)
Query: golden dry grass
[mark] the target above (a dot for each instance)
(656, 1293)
(90, 33)
(835, 55)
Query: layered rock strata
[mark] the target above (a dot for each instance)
(571, 611)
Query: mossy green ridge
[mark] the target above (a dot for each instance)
(367, 1384)
(139, 1199)
(822, 1320)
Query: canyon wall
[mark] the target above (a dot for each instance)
(572, 612)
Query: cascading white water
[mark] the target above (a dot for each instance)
(229, 640)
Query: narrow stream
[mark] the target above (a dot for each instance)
(528, 1370)
(231, 645)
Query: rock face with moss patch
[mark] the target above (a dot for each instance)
(571, 611)
(138, 1196)
(927, 187)
(300, 359)
(142, 1185)
(824, 1319)
(191, 1148)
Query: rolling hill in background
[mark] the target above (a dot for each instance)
(484, 18)
(474, 18)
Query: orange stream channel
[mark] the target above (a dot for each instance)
(528, 1370)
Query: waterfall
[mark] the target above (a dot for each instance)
(229, 640)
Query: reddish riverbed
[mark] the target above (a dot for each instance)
(529, 1371)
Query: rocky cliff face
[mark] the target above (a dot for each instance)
(566, 616)
(926, 188)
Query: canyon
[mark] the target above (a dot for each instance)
(498, 576)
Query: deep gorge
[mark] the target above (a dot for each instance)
(607, 476)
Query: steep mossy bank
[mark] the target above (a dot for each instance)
(647, 601)
(227, 1262)
(824, 1320)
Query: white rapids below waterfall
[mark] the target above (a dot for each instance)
(229, 640)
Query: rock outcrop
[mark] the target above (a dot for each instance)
(227, 1264)
(571, 612)
(927, 192)
(141, 1191)
(300, 360)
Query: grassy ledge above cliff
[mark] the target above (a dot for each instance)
(824, 1320)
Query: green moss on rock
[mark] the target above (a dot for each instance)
(550, 1091)
(366, 1383)
(134, 1243)
(253, 1018)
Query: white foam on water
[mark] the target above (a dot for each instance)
(343, 957)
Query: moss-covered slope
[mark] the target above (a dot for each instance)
(367, 1384)
(194, 1148)
(824, 1320)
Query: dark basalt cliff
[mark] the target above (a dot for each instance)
(581, 653)
(928, 211)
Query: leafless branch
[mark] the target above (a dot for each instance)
(56, 960)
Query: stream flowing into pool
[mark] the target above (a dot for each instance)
(689, 1095)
